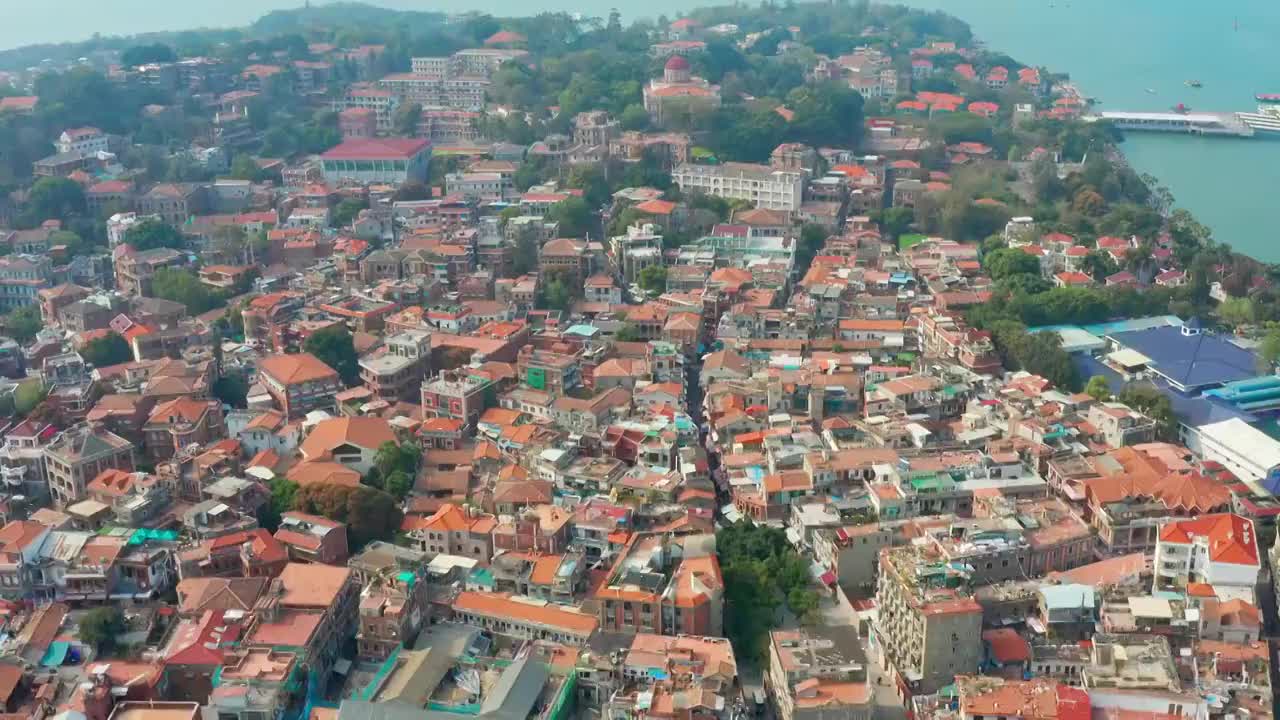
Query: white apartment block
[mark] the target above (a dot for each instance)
(759, 184)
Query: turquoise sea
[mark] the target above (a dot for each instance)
(1114, 49)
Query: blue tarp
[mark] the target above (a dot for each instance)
(56, 655)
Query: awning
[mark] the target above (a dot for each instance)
(829, 578)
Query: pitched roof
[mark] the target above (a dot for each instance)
(1231, 538)
(377, 148)
(292, 369)
(364, 432)
(313, 586)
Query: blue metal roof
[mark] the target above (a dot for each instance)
(1192, 361)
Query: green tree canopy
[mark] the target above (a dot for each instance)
(369, 513)
(653, 279)
(1098, 388)
(152, 234)
(183, 286)
(112, 349)
(101, 627)
(574, 217)
(23, 323)
(335, 347)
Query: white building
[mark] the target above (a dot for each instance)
(1218, 550)
(377, 160)
(481, 186)
(118, 225)
(85, 140)
(1249, 453)
(759, 184)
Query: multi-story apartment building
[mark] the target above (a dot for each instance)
(84, 140)
(135, 269)
(393, 608)
(819, 672)
(382, 101)
(299, 383)
(397, 373)
(1218, 550)
(451, 530)
(664, 585)
(78, 456)
(180, 422)
(22, 467)
(482, 187)
(1119, 425)
(22, 277)
(548, 370)
(312, 607)
(454, 394)
(173, 203)
(567, 259)
(929, 626)
(760, 185)
(313, 539)
(513, 618)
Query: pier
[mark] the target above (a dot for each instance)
(1226, 124)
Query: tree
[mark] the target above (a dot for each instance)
(369, 513)
(1149, 400)
(405, 120)
(111, 349)
(826, 113)
(896, 221)
(573, 217)
(1007, 262)
(1236, 311)
(1098, 388)
(147, 54)
(283, 492)
(231, 389)
(1099, 265)
(182, 286)
(411, 190)
(335, 347)
(1269, 347)
(653, 279)
(557, 295)
(53, 198)
(23, 324)
(152, 234)
(244, 167)
(628, 333)
(101, 627)
(347, 210)
(28, 396)
(634, 117)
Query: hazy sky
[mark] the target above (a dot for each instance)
(25, 22)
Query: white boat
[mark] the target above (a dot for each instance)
(1265, 121)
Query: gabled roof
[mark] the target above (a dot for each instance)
(1231, 538)
(364, 432)
(300, 368)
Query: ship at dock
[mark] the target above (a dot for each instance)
(1266, 121)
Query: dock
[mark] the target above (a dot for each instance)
(1226, 124)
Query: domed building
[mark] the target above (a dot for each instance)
(679, 92)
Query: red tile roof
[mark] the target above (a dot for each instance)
(377, 149)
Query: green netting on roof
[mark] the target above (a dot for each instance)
(367, 693)
(406, 577)
(144, 535)
(932, 483)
